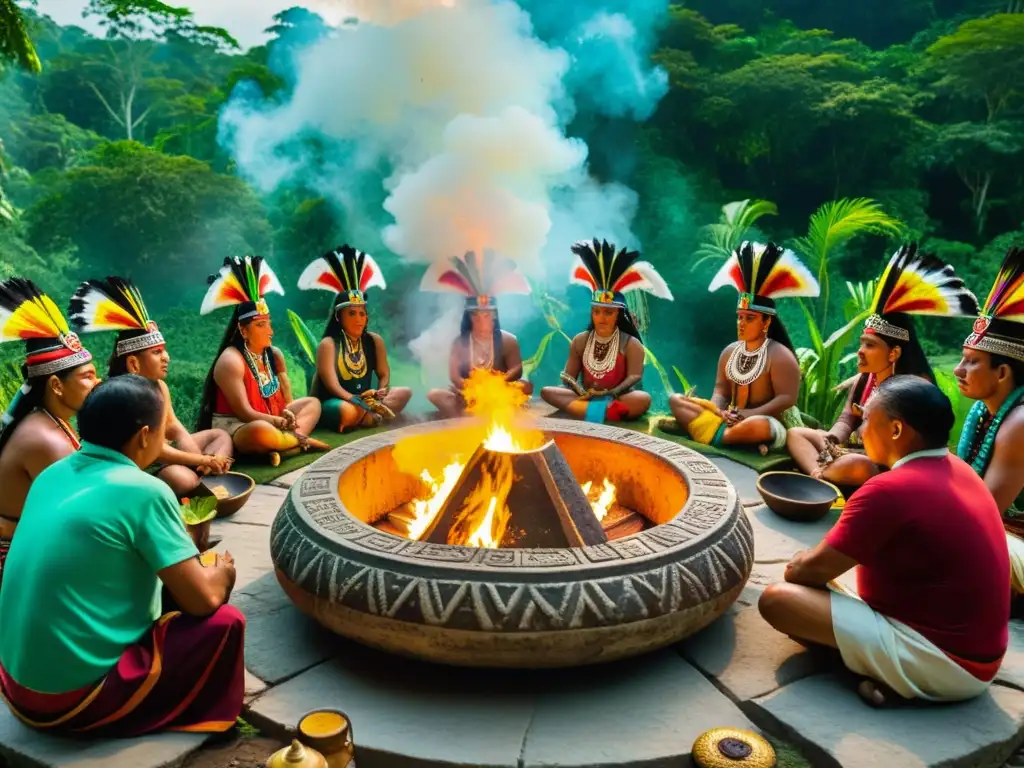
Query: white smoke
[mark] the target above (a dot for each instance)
(465, 108)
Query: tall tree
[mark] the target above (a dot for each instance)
(133, 30)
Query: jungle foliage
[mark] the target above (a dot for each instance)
(837, 129)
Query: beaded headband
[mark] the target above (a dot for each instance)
(878, 324)
(746, 302)
(995, 345)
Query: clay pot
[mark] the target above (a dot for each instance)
(297, 756)
(329, 731)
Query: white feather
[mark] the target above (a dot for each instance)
(812, 289)
(723, 277)
(652, 282)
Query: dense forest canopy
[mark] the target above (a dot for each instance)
(908, 112)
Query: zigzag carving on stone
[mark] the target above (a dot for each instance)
(705, 552)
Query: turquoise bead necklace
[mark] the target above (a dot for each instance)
(976, 442)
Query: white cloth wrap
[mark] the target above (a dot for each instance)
(892, 653)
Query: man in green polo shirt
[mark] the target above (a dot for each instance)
(85, 647)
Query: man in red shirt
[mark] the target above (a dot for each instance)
(933, 614)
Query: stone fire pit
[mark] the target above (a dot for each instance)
(523, 607)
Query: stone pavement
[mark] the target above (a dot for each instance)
(645, 711)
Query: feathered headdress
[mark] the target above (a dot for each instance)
(763, 273)
(477, 276)
(999, 328)
(27, 314)
(610, 275)
(344, 271)
(245, 282)
(115, 304)
(916, 283)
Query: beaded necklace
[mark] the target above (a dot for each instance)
(267, 378)
(598, 356)
(353, 359)
(978, 438)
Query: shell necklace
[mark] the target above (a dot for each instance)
(266, 378)
(744, 368)
(600, 354)
(481, 360)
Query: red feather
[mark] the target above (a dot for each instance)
(366, 277)
(736, 273)
(581, 273)
(780, 281)
(627, 280)
(330, 280)
(455, 280)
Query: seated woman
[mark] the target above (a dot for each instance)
(931, 620)
(481, 342)
(348, 355)
(247, 392)
(609, 355)
(758, 378)
(85, 650)
(912, 283)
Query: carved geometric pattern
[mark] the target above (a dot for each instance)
(705, 551)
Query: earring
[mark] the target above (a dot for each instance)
(893, 371)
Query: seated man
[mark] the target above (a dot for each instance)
(603, 375)
(115, 304)
(84, 648)
(349, 355)
(758, 377)
(913, 283)
(247, 392)
(932, 618)
(992, 372)
(481, 342)
(58, 374)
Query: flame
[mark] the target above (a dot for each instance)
(484, 516)
(425, 510)
(600, 501)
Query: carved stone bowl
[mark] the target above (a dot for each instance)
(530, 608)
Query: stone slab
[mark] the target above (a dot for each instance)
(748, 658)
(253, 686)
(261, 508)
(287, 481)
(1012, 670)
(825, 716)
(645, 711)
(280, 641)
(249, 545)
(406, 713)
(777, 539)
(22, 747)
(742, 477)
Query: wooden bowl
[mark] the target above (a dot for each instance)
(797, 497)
(238, 485)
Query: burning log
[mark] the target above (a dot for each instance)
(517, 499)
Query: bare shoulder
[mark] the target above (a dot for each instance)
(326, 343)
(1012, 430)
(230, 359)
(164, 390)
(37, 434)
(580, 339)
(278, 356)
(634, 343)
(726, 352)
(782, 355)
(507, 337)
(378, 340)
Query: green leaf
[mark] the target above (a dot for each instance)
(683, 381)
(199, 510)
(532, 363)
(665, 381)
(305, 337)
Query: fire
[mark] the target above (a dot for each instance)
(503, 428)
(425, 510)
(604, 498)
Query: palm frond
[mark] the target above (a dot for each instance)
(719, 240)
(533, 362)
(839, 221)
(665, 381)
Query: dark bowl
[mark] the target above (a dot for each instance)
(238, 485)
(797, 497)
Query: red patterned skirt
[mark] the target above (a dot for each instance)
(186, 674)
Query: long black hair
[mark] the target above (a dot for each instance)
(776, 330)
(232, 338)
(624, 322)
(467, 327)
(913, 361)
(29, 397)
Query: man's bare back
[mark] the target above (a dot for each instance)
(762, 390)
(36, 444)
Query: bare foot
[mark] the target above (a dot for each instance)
(879, 695)
(763, 449)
